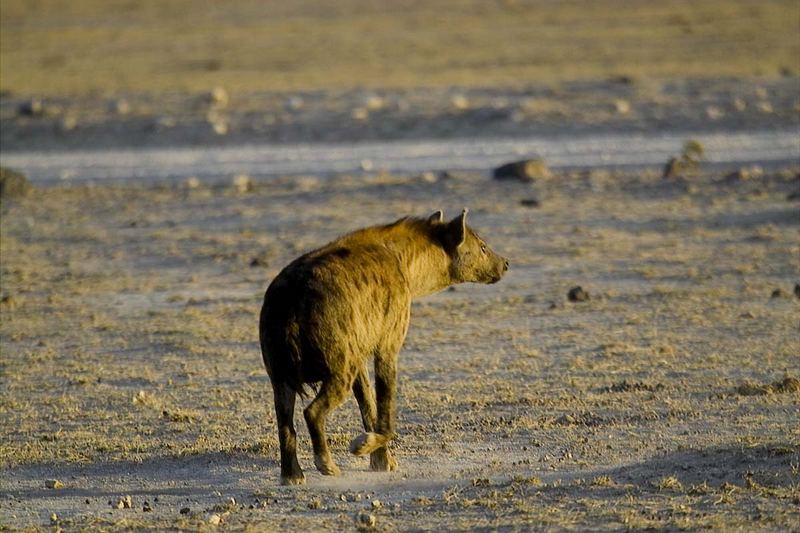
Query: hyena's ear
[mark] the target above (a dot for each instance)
(436, 218)
(457, 229)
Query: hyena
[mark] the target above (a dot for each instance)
(332, 310)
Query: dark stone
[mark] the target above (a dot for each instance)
(577, 294)
(529, 202)
(259, 261)
(31, 108)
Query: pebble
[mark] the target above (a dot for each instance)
(185, 510)
(714, 112)
(122, 107)
(365, 520)
(529, 202)
(218, 97)
(126, 502)
(777, 293)
(360, 114)
(192, 182)
(459, 102)
(525, 170)
(242, 183)
(31, 108)
(622, 106)
(577, 294)
(53, 484)
(146, 507)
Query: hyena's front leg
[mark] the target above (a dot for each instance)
(381, 459)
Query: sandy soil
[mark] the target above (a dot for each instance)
(130, 364)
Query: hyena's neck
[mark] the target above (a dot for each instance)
(424, 261)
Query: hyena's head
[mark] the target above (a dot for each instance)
(471, 259)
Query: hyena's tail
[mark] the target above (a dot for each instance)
(367, 443)
(280, 350)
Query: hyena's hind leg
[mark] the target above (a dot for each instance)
(331, 394)
(285, 396)
(381, 459)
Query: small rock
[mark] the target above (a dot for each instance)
(220, 127)
(53, 484)
(9, 301)
(529, 202)
(242, 183)
(745, 173)
(376, 504)
(146, 507)
(214, 519)
(218, 97)
(622, 106)
(166, 122)
(185, 510)
(526, 170)
(777, 293)
(566, 420)
(121, 107)
(764, 106)
(13, 184)
(31, 108)
(673, 168)
(428, 177)
(295, 103)
(259, 262)
(53, 518)
(459, 102)
(69, 123)
(714, 113)
(315, 504)
(192, 182)
(577, 294)
(360, 113)
(374, 103)
(366, 165)
(365, 521)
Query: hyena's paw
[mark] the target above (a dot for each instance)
(367, 443)
(326, 466)
(294, 479)
(382, 460)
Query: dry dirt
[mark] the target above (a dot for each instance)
(130, 364)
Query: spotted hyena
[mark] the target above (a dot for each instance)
(332, 310)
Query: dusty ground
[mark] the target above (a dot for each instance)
(130, 364)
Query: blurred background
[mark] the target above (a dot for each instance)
(93, 73)
(92, 47)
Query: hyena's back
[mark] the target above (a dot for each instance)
(330, 309)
